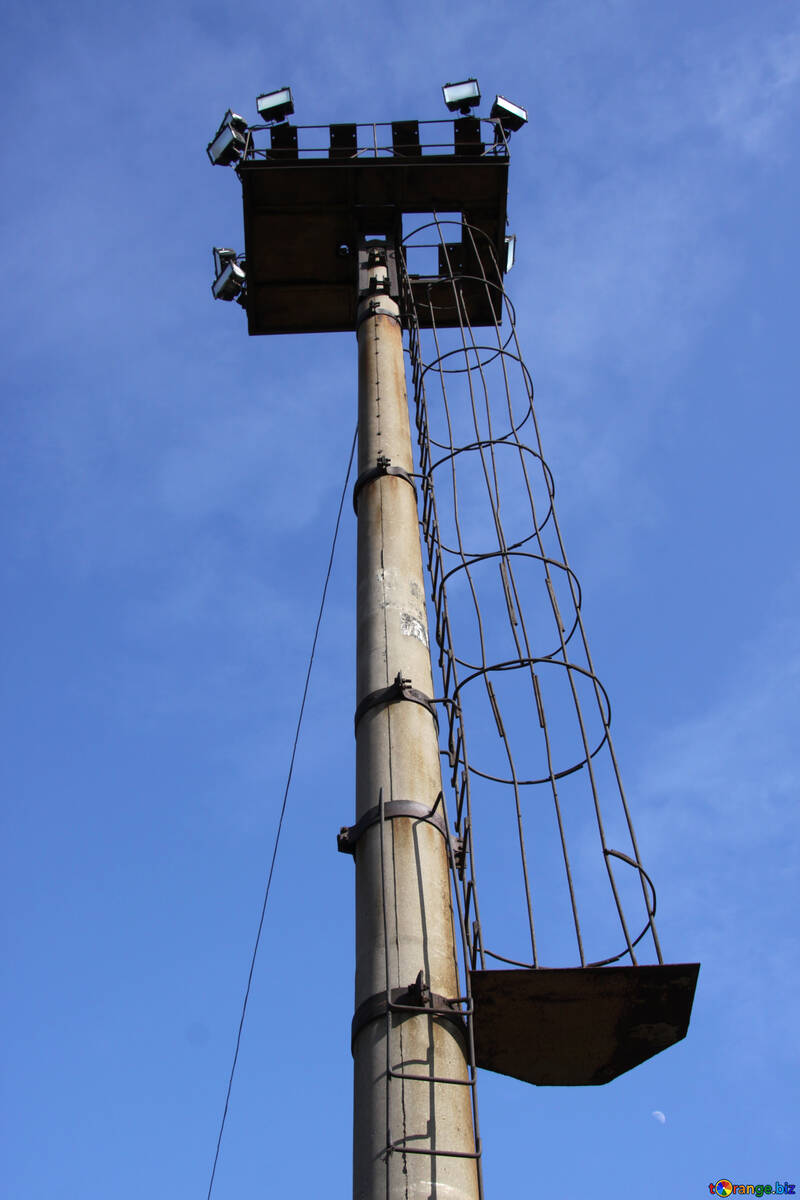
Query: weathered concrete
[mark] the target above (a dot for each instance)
(397, 753)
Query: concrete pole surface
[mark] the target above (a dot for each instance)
(397, 756)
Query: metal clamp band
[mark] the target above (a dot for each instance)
(401, 689)
(374, 308)
(381, 468)
(348, 835)
(416, 1000)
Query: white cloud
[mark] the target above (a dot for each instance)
(719, 824)
(639, 234)
(629, 260)
(754, 91)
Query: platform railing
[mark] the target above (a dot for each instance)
(483, 137)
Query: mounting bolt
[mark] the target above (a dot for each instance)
(420, 991)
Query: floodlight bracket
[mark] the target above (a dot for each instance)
(374, 254)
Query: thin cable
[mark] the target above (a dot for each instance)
(282, 814)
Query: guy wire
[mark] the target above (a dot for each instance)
(282, 814)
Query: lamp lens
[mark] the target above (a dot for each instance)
(221, 145)
(275, 105)
(512, 116)
(456, 94)
(511, 249)
(228, 285)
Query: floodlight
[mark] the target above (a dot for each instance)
(222, 256)
(229, 276)
(510, 115)
(275, 106)
(461, 97)
(228, 143)
(511, 250)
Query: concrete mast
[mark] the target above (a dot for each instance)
(412, 1139)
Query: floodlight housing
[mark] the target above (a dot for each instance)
(229, 276)
(228, 143)
(511, 116)
(275, 106)
(222, 256)
(461, 97)
(511, 251)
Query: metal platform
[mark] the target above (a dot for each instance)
(578, 1025)
(303, 214)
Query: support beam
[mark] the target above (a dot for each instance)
(413, 1139)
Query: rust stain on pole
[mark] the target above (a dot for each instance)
(413, 1138)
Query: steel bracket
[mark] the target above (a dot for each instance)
(401, 689)
(349, 835)
(375, 309)
(382, 467)
(415, 1000)
(373, 256)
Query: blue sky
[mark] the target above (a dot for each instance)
(169, 486)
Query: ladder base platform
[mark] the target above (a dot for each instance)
(573, 1026)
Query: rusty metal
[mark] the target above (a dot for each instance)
(399, 689)
(414, 1000)
(382, 467)
(475, 421)
(377, 269)
(415, 1116)
(323, 211)
(577, 1026)
(302, 204)
(349, 835)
